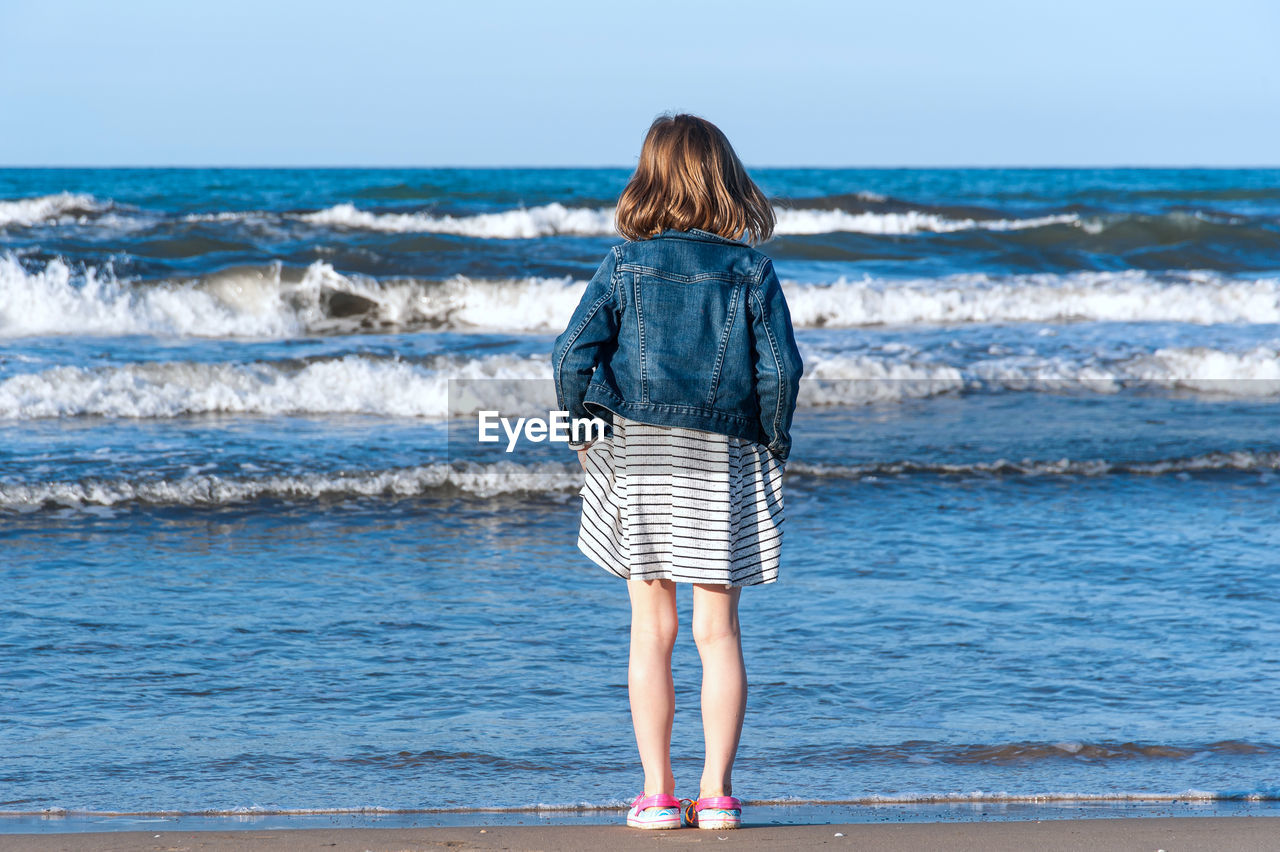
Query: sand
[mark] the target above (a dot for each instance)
(1173, 834)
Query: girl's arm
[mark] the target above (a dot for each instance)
(593, 326)
(777, 360)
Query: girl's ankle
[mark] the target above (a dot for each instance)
(659, 789)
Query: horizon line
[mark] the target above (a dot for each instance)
(496, 167)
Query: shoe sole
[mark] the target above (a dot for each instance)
(718, 824)
(655, 824)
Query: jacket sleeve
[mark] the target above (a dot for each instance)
(593, 326)
(777, 361)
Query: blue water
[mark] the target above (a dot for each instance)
(251, 563)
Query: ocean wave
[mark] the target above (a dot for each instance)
(391, 387)
(1214, 372)
(273, 301)
(547, 220)
(353, 384)
(958, 797)
(269, 302)
(209, 490)
(1271, 794)
(1015, 753)
(857, 213)
(57, 300)
(835, 379)
(556, 219)
(1125, 296)
(503, 478)
(1223, 462)
(24, 212)
(810, 222)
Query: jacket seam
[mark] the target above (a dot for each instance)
(600, 390)
(582, 326)
(683, 279)
(644, 366)
(708, 238)
(724, 345)
(758, 273)
(783, 389)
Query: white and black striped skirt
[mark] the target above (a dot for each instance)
(662, 502)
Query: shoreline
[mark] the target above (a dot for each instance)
(1185, 834)
(761, 814)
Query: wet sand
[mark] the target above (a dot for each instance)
(1173, 834)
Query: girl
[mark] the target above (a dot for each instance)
(683, 344)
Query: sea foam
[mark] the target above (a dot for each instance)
(479, 480)
(24, 212)
(271, 302)
(353, 384)
(56, 300)
(1235, 461)
(277, 302)
(390, 387)
(486, 480)
(837, 378)
(547, 220)
(556, 219)
(1122, 296)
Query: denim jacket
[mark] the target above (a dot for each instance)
(688, 329)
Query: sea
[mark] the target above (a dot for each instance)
(254, 562)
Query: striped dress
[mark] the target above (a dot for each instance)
(662, 502)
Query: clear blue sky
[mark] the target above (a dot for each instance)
(792, 82)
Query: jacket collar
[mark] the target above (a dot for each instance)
(699, 234)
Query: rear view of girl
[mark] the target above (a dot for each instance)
(683, 343)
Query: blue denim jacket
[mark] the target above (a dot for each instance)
(684, 329)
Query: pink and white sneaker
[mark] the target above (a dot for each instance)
(657, 811)
(714, 812)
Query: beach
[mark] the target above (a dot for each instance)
(1175, 834)
(256, 562)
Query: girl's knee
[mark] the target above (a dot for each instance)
(653, 611)
(713, 630)
(715, 615)
(658, 631)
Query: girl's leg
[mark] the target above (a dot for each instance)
(724, 683)
(653, 702)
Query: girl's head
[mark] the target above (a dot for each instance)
(689, 177)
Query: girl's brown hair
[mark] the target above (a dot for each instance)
(690, 177)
